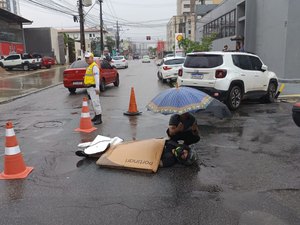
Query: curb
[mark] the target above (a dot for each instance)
(289, 80)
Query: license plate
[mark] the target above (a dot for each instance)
(197, 75)
(77, 83)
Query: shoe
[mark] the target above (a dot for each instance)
(81, 153)
(94, 119)
(98, 119)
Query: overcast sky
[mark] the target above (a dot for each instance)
(137, 18)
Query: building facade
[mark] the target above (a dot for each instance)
(92, 36)
(185, 6)
(45, 41)
(12, 6)
(262, 30)
(11, 33)
(185, 24)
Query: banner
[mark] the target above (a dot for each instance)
(178, 51)
(7, 48)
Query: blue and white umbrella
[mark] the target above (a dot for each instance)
(185, 99)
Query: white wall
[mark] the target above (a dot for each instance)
(54, 44)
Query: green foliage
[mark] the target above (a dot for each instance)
(110, 43)
(191, 46)
(152, 51)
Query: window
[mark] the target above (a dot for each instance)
(12, 57)
(224, 26)
(105, 65)
(203, 61)
(186, 6)
(242, 61)
(256, 63)
(174, 61)
(79, 64)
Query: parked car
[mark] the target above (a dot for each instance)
(135, 56)
(170, 55)
(119, 62)
(229, 76)
(168, 68)
(73, 76)
(24, 61)
(46, 61)
(146, 59)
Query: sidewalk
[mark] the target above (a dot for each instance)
(291, 87)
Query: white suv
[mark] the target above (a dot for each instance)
(229, 76)
(168, 68)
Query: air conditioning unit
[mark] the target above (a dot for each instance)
(87, 3)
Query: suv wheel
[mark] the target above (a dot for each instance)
(234, 98)
(270, 96)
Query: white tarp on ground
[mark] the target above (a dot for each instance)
(99, 144)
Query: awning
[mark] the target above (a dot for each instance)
(11, 17)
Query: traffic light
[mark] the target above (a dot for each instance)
(148, 37)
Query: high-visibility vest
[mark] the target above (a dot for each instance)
(89, 78)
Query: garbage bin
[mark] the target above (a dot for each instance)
(296, 114)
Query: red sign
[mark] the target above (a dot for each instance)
(160, 46)
(7, 48)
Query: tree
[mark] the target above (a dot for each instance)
(152, 51)
(110, 43)
(191, 46)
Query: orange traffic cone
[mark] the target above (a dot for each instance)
(132, 109)
(14, 166)
(85, 120)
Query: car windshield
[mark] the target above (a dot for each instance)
(174, 61)
(79, 64)
(118, 57)
(203, 61)
(146, 56)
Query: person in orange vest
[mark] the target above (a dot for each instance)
(92, 82)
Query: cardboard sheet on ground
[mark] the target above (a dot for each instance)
(141, 155)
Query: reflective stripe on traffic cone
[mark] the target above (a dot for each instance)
(14, 166)
(85, 120)
(132, 108)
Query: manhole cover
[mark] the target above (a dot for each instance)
(48, 124)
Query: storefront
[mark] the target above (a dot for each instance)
(11, 33)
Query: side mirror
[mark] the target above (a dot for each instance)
(264, 68)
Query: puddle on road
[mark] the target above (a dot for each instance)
(11, 87)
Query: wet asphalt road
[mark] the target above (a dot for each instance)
(248, 170)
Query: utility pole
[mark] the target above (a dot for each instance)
(118, 37)
(82, 38)
(101, 29)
